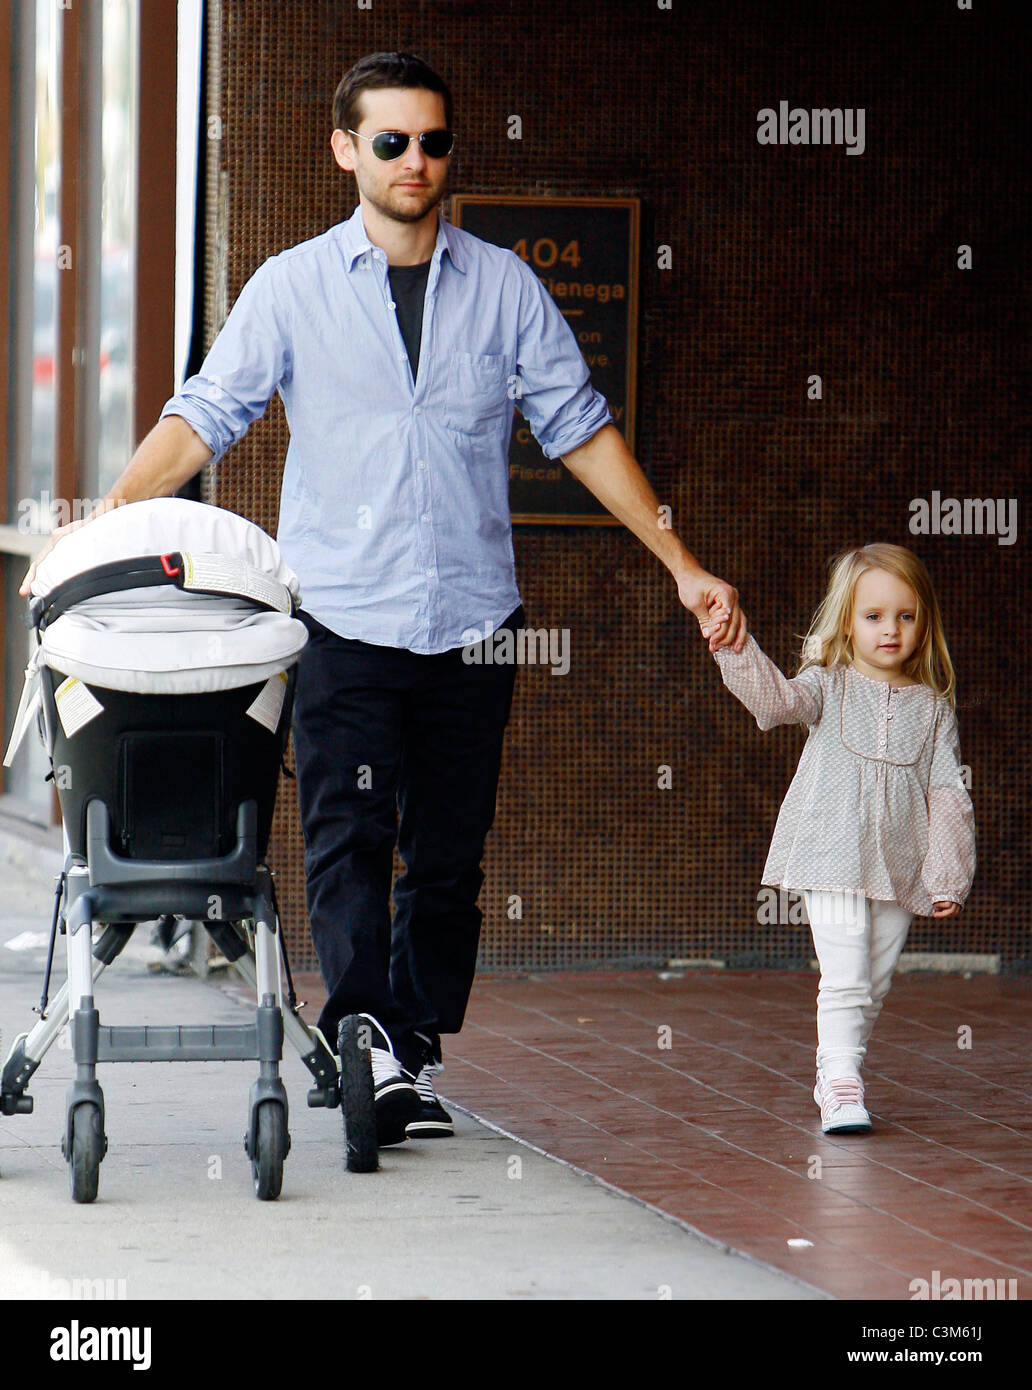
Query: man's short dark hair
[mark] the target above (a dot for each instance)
(384, 70)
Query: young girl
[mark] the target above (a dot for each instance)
(877, 825)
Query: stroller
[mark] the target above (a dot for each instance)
(162, 684)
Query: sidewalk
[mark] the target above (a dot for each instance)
(480, 1216)
(693, 1091)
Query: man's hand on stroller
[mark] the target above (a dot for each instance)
(166, 459)
(56, 535)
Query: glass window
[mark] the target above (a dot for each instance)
(35, 507)
(107, 420)
(32, 475)
(118, 241)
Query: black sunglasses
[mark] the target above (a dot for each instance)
(392, 144)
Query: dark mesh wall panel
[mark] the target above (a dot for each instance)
(787, 261)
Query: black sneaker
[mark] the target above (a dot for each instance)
(433, 1121)
(395, 1096)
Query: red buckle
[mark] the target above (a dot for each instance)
(167, 567)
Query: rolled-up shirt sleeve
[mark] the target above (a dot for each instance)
(556, 397)
(949, 866)
(765, 691)
(248, 361)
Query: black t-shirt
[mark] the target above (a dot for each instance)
(408, 289)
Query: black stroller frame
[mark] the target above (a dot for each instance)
(231, 893)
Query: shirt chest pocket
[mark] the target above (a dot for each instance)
(475, 395)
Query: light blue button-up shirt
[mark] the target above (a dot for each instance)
(394, 510)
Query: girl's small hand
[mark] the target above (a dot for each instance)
(946, 909)
(713, 624)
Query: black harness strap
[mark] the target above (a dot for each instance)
(143, 572)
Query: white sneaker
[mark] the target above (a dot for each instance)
(842, 1105)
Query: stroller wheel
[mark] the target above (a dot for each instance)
(271, 1145)
(87, 1150)
(356, 1097)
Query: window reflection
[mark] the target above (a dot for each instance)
(48, 168)
(118, 228)
(33, 477)
(35, 506)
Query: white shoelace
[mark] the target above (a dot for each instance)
(425, 1083)
(386, 1066)
(844, 1091)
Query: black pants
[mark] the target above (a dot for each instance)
(380, 731)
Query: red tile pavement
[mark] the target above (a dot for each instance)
(694, 1093)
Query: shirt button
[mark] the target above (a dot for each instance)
(390, 304)
(417, 410)
(420, 463)
(425, 516)
(430, 574)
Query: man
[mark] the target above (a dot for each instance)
(394, 340)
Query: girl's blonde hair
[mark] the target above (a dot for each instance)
(828, 642)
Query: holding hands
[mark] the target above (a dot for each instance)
(715, 605)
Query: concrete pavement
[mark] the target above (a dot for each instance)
(480, 1216)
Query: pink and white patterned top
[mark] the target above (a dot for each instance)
(878, 804)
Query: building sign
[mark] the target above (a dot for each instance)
(585, 252)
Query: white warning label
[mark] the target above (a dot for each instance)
(76, 705)
(222, 575)
(268, 703)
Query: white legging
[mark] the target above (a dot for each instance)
(858, 941)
